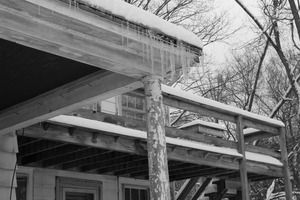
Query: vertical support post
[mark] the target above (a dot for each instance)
(8, 159)
(242, 162)
(284, 159)
(156, 139)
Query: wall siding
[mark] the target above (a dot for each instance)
(8, 150)
(109, 106)
(44, 183)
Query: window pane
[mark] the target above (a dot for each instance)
(139, 103)
(127, 194)
(79, 196)
(143, 195)
(134, 194)
(124, 100)
(21, 190)
(129, 114)
(139, 116)
(131, 102)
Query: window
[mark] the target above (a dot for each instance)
(136, 193)
(77, 189)
(21, 190)
(133, 106)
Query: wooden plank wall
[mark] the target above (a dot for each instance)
(8, 150)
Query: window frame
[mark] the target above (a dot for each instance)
(65, 184)
(123, 108)
(132, 183)
(28, 173)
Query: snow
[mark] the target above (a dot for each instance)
(262, 158)
(145, 18)
(249, 131)
(127, 132)
(219, 106)
(203, 123)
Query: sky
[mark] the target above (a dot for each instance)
(220, 51)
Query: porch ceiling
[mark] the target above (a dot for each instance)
(26, 72)
(76, 148)
(43, 153)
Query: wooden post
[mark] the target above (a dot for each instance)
(242, 162)
(8, 159)
(186, 188)
(201, 189)
(156, 139)
(284, 159)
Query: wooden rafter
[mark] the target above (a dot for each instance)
(87, 90)
(127, 145)
(171, 132)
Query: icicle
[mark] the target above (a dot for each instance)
(147, 49)
(70, 4)
(122, 30)
(162, 59)
(152, 56)
(76, 5)
(39, 10)
(143, 51)
(189, 58)
(183, 62)
(127, 39)
(178, 51)
(52, 7)
(172, 65)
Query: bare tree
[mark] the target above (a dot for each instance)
(198, 16)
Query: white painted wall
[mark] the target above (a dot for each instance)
(42, 183)
(8, 150)
(109, 106)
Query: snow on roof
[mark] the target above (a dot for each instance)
(112, 128)
(203, 123)
(145, 18)
(220, 106)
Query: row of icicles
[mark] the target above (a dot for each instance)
(169, 54)
(154, 49)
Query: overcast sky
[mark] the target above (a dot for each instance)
(219, 51)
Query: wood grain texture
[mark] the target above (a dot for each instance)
(74, 95)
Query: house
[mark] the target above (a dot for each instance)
(58, 56)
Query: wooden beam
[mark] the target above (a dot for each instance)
(202, 188)
(107, 164)
(38, 146)
(195, 107)
(51, 26)
(108, 142)
(82, 160)
(221, 194)
(242, 162)
(172, 132)
(257, 136)
(61, 159)
(87, 90)
(186, 188)
(286, 171)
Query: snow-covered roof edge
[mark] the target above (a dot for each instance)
(203, 123)
(230, 109)
(145, 18)
(112, 128)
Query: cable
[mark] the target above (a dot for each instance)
(12, 181)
